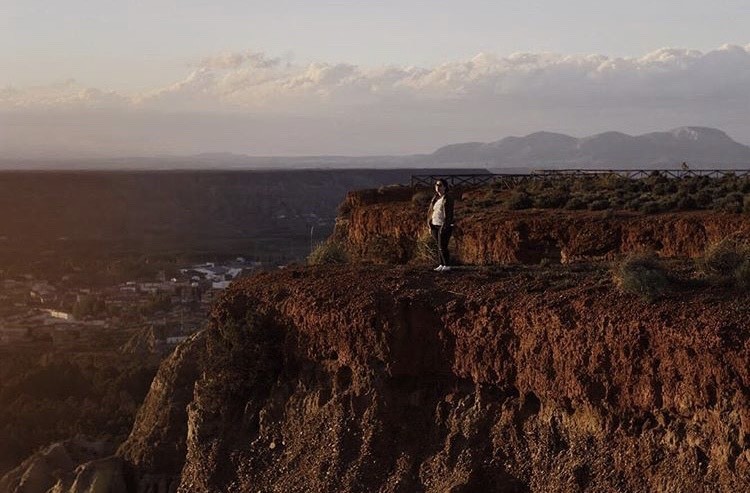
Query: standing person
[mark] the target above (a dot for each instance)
(440, 219)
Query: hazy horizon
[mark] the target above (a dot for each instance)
(291, 79)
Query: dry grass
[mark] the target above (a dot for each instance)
(327, 253)
(643, 275)
(727, 262)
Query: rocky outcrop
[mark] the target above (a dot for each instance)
(388, 231)
(76, 465)
(403, 380)
(156, 447)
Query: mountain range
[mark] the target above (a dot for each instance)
(700, 147)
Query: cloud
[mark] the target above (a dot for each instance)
(251, 81)
(233, 61)
(545, 78)
(65, 95)
(475, 98)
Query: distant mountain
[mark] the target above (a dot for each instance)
(698, 146)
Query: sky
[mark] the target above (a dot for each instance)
(100, 78)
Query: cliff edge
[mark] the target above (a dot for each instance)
(389, 226)
(403, 380)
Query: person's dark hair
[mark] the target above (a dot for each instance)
(444, 183)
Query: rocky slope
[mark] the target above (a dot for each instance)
(73, 465)
(385, 227)
(400, 379)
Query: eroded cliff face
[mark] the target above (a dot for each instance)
(155, 450)
(396, 379)
(75, 465)
(384, 227)
(487, 379)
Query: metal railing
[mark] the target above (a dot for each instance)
(471, 180)
(643, 173)
(510, 180)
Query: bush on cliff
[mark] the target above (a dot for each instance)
(643, 275)
(553, 199)
(327, 253)
(576, 203)
(727, 262)
(656, 193)
(518, 201)
(421, 199)
(425, 250)
(242, 360)
(733, 202)
(599, 205)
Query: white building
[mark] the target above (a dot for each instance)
(60, 315)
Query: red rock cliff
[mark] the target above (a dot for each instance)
(384, 227)
(394, 379)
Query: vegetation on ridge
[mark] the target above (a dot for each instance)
(653, 194)
(327, 253)
(641, 274)
(727, 262)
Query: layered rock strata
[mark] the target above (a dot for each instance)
(386, 226)
(400, 380)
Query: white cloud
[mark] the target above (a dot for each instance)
(250, 80)
(65, 95)
(238, 59)
(472, 97)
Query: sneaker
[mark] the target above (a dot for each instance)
(439, 268)
(445, 268)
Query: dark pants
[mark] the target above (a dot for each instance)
(441, 235)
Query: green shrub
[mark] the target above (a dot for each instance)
(667, 203)
(551, 199)
(633, 205)
(732, 202)
(327, 253)
(425, 250)
(421, 199)
(704, 198)
(641, 274)
(725, 261)
(241, 362)
(586, 184)
(686, 203)
(649, 207)
(660, 189)
(576, 203)
(655, 193)
(656, 178)
(517, 201)
(599, 205)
